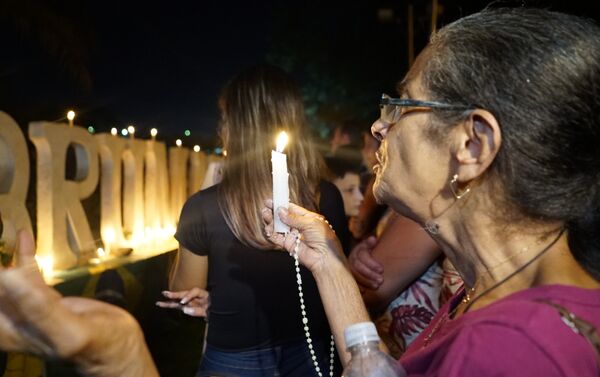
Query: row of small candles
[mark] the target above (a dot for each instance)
(145, 242)
(130, 131)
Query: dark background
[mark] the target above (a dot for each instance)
(161, 64)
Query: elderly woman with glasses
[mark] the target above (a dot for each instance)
(493, 148)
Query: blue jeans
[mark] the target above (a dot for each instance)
(287, 360)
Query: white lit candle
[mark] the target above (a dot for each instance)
(131, 131)
(281, 190)
(70, 117)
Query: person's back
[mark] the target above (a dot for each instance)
(256, 324)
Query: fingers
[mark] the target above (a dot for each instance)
(365, 276)
(193, 302)
(174, 295)
(269, 204)
(169, 304)
(267, 215)
(366, 270)
(300, 218)
(365, 256)
(195, 311)
(25, 249)
(195, 307)
(186, 296)
(194, 293)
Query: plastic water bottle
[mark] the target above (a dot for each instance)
(367, 360)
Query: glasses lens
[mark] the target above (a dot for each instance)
(389, 113)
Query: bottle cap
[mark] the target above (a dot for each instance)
(361, 332)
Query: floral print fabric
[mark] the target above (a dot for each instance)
(412, 311)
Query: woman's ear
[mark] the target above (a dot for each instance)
(479, 142)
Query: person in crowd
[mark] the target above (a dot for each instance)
(368, 149)
(492, 147)
(344, 134)
(404, 280)
(255, 319)
(343, 168)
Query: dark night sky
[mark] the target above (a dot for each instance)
(161, 64)
(164, 65)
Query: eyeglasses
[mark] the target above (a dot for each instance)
(392, 109)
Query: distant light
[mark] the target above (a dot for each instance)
(187, 133)
(114, 131)
(91, 129)
(196, 148)
(153, 132)
(71, 115)
(218, 150)
(131, 130)
(124, 132)
(178, 142)
(100, 252)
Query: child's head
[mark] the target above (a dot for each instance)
(344, 169)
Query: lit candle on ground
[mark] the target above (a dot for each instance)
(114, 131)
(153, 133)
(178, 143)
(281, 190)
(70, 117)
(131, 131)
(46, 267)
(108, 237)
(196, 148)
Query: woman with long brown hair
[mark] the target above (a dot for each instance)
(255, 325)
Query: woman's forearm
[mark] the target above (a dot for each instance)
(342, 301)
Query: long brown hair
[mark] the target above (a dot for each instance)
(255, 106)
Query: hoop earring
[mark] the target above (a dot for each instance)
(454, 188)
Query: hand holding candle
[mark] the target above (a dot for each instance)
(281, 190)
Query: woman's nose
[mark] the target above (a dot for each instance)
(379, 129)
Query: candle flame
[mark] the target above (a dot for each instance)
(46, 266)
(114, 131)
(282, 141)
(109, 235)
(100, 252)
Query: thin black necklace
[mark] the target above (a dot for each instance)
(518, 270)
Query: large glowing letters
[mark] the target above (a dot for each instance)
(141, 191)
(111, 150)
(157, 196)
(14, 179)
(198, 166)
(133, 190)
(63, 231)
(178, 167)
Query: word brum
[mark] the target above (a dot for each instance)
(143, 185)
